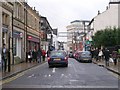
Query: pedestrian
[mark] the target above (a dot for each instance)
(114, 56)
(39, 54)
(100, 55)
(43, 54)
(34, 54)
(107, 56)
(48, 53)
(92, 52)
(4, 58)
(96, 54)
(30, 56)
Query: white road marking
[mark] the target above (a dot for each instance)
(31, 76)
(53, 71)
(73, 80)
(49, 75)
(62, 74)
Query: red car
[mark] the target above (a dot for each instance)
(76, 54)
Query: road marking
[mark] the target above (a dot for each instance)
(49, 75)
(19, 75)
(53, 71)
(11, 79)
(31, 76)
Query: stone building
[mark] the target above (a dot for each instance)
(18, 32)
(20, 29)
(6, 9)
(33, 31)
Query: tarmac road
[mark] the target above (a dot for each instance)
(77, 75)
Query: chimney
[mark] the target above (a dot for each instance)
(98, 12)
(106, 7)
(34, 8)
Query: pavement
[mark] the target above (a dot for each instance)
(18, 68)
(111, 67)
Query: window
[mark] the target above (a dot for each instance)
(14, 46)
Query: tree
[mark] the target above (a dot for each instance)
(107, 37)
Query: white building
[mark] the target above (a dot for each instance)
(73, 33)
(55, 41)
(109, 18)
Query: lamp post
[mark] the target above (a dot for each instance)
(9, 59)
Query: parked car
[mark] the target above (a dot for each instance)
(76, 54)
(58, 58)
(85, 56)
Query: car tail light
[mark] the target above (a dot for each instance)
(48, 58)
(74, 55)
(66, 58)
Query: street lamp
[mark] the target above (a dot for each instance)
(9, 59)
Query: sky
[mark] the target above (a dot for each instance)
(60, 13)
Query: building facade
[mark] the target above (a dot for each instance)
(33, 36)
(6, 9)
(47, 33)
(55, 38)
(75, 31)
(109, 18)
(18, 32)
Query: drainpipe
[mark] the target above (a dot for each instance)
(12, 41)
(26, 35)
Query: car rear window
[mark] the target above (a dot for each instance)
(57, 54)
(85, 53)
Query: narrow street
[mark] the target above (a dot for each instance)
(76, 75)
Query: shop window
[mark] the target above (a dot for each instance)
(14, 46)
(3, 38)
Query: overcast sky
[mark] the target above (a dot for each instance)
(61, 12)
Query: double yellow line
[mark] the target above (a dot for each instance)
(11, 79)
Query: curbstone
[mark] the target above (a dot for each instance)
(110, 69)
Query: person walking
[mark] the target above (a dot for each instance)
(96, 54)
(92, 52)
(48, 53)
(4, 58)
(107, 56)
(100, 55)
(34, 54)
(114, 56)
(43, 54)
(39, 54)
(30, 56)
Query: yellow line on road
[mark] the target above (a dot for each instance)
(11, 79)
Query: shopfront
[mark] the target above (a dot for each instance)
(17, 43)
(33, 43)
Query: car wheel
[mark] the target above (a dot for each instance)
(50, 66)
(90, 61)
(66, 65)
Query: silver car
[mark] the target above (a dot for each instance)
(85, 56)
